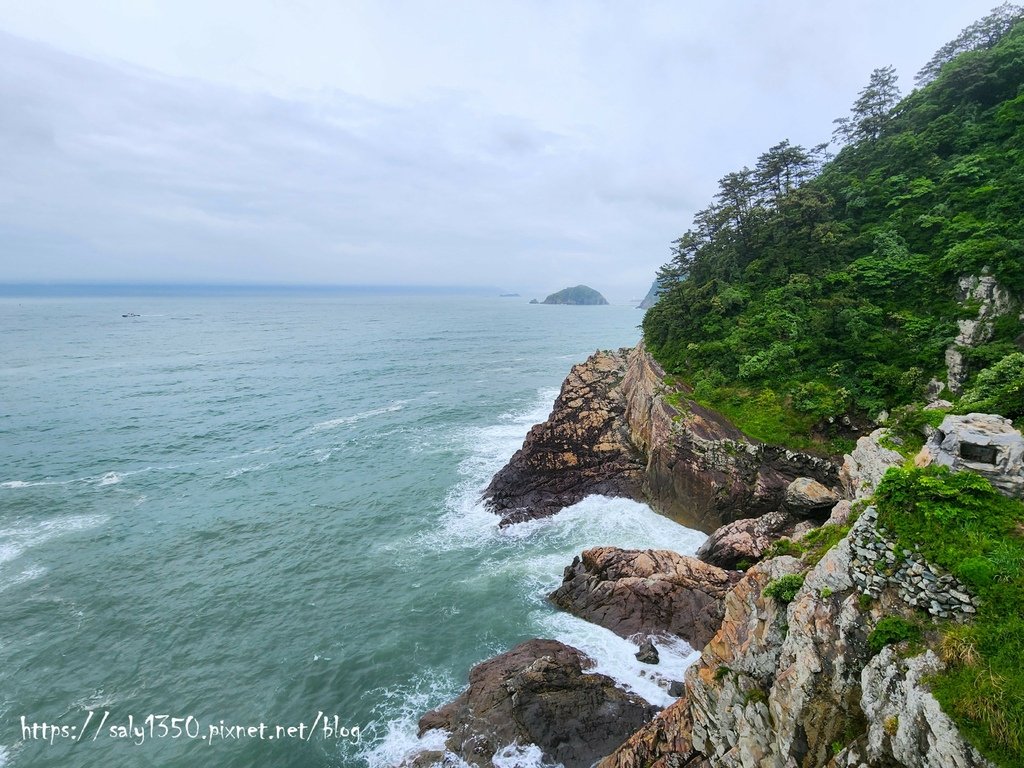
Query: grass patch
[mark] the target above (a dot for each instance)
(961, 523)
(892, 629)
(784, 589)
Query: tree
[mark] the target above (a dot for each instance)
(872, 110)
(981, 35)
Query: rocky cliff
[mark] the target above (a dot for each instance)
(788, 675)
(618, 429)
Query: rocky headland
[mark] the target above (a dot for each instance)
(781, 600)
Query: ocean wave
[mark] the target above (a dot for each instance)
(397, 405)
(20, 539)
(396, 734)
(110, 478)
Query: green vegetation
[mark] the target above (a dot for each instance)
(892, 629)
(755, 695)
(784, 589)
(818, 287)
(580, 294)
(999, 389)
(961, 523)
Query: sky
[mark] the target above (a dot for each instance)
(525, 145)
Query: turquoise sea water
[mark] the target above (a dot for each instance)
(258, 509)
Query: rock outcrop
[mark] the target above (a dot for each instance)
(642, 592)
(616, 429)
(583, 448)
(745, 541)
(993, 302)
(864, 467)
(537, 693)
(806, 497)
(981, 442)
(784, 686)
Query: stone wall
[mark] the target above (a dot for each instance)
(877, 563)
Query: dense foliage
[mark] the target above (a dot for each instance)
(961, 523)
(579, 294)
(817, 287)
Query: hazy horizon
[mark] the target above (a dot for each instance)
(524, 146)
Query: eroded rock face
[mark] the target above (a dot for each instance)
(537, 693)
(906, 725)
(993, 301)
(984, 443)
(865, 466)
(646, 591)
(614, 432)
(583, 448)
(744, 540)
(806, 497)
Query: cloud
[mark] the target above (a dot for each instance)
(522, 145)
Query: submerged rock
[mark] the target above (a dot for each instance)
(646, 591)
(537, 693)
(648, 653)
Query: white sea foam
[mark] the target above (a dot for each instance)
(519, 756)
(111, 478)
(27, 484)
(397, 405)
(19, 539)
(616, 657)
(399, 739)
(29, 574)
(4, 755)
(239, 471)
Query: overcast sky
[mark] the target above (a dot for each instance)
(528, 145)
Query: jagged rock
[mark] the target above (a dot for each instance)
(700, 469)
(865, 466)
(906, 725)
(537, 693)
(806, 497)
(993, 301)
(984, 443)
(648, 653)
(745, 539)
(645, 591)
(613, 431)
(583, 448)
(938, 405)
(840, 514)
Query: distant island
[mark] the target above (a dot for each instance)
(580, 294)
(508, 295)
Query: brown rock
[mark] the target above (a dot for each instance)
(645, 591)
(583, 448)
(744, 540)
(806, 497)
(538, 693)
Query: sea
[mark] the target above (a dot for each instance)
(246, 529)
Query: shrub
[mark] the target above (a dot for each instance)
(783, 546)
(892, 629)
(998, 389)
(784, 589)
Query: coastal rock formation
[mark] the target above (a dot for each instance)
(580, 295)
(745, 540)
(864, 467)
(537, 693)
(806, 497)
(789, 685)
(618, 430)
(583, 448)
(652, 296)
(646, 591)
(984, 443)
